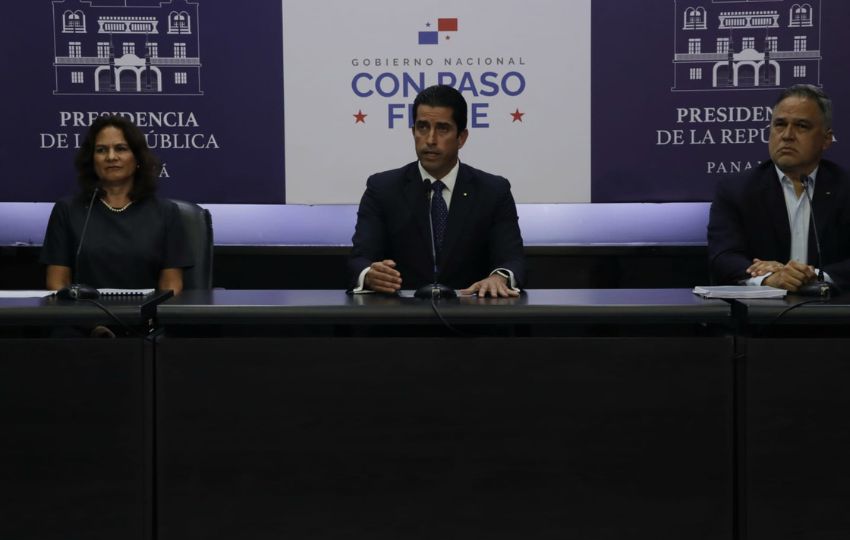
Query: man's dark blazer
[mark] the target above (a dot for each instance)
(482, 232)
(749, 219)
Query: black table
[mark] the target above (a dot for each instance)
(50, 311)
(277, 429)
(795, 373)
(547, 306)
(593, 414)
(76, 458)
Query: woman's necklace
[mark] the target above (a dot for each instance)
(106, 204)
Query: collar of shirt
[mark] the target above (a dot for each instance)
(449, 180)
(786, 182)
(799, 215)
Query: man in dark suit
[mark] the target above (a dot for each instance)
(759, 229)
(476, 235)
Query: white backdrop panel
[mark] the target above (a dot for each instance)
(342, 58)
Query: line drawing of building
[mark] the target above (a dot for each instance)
(120, 47)
(746, 44)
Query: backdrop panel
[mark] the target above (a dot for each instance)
(203, 80)
(573, 102)
(352, 72)
(683, 89)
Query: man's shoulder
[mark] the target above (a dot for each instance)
(410, 172)
(394, 175)
(765, 169)
(478, 173)
(483, 178)
(833, 169)
(757, 176)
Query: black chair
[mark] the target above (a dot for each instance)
(197, 224)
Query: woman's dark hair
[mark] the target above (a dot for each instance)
(149, 166)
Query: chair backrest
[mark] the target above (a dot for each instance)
(197, 224)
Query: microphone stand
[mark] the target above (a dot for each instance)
(820, 287)
(433, 290)
(80, 291)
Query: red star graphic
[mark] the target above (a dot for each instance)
(517, 115)
(359, 118)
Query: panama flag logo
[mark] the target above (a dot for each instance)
(444, 27)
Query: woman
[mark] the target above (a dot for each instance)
(134, 240)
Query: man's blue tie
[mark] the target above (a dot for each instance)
(439, 214)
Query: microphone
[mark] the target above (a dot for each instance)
(433, 290)
(820, 287)
(80, 291)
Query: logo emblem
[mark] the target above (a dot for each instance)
(113, 49)
(739, 44)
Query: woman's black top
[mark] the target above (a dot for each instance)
(125, 250)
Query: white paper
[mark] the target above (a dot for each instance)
(25, 294)
(740, 291)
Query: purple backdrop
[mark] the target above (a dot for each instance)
(209, 95)
(668, 115)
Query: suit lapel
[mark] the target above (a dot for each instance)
(463, 200)
(416, 199)
(774, 200)
(824, 203)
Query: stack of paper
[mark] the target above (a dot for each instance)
(740, 291)
(125, 292)
(25, 294)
